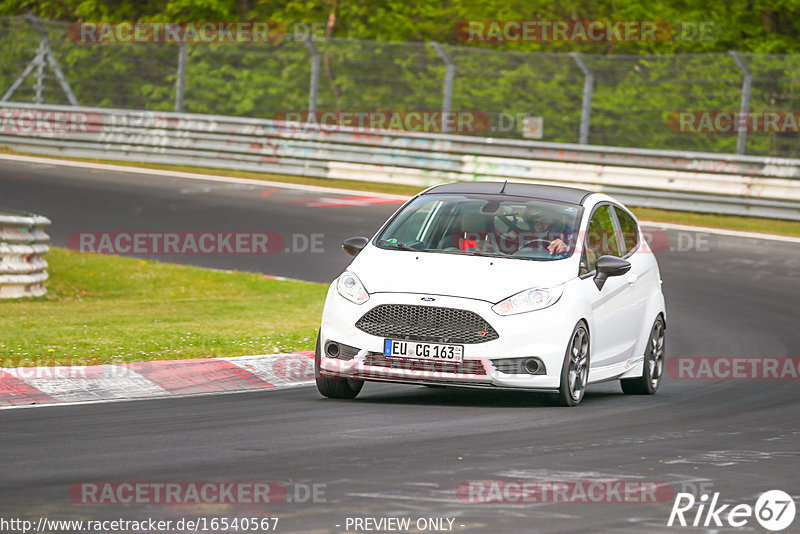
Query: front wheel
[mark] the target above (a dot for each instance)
(334, 387)
(575, 370)
(648, 383)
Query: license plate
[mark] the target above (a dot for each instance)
(423, 351)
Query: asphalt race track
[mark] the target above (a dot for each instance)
(402, 451)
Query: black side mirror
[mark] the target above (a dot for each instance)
(609, 266)
(354, 245)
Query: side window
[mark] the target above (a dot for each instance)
(630, 231)
(601, 236)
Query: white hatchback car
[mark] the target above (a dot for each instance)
(497, 285)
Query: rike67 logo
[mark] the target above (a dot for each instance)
(774, 510)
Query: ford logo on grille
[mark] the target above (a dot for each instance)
(427, 299)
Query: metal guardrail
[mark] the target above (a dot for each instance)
(713, 183)
(22, 249)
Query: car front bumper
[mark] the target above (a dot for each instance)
(543, 334)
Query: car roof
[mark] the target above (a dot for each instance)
(571, 195)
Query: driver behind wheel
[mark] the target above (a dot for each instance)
(547, 227)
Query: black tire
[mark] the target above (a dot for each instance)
(648, 383)
(334, 387)
(575, 369)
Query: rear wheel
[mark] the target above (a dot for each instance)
(334, 387)
(575, 370)
(648, 383)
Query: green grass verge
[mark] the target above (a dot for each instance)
(109, 309)
(729, 222)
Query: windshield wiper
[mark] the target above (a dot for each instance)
(468, 252)
(399, 245)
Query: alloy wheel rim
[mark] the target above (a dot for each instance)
(578, 364)
(656, 356)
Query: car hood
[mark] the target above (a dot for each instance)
(482, 278)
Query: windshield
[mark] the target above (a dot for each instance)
(484, 225)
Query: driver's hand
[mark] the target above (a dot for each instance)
(557, 246)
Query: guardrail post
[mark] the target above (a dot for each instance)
(23, 244)
(449, 73)
(744, 105)
(313, 84)
(586, 102)
(180, 83)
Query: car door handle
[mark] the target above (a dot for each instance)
(632, 279)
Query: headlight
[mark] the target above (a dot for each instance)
(351, 288)
(529, 300)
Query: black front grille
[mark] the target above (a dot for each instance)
(465, 367)
(426, 323)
